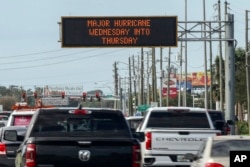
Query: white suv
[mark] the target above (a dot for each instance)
(21, 116)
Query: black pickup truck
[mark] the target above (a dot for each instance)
(77, 137)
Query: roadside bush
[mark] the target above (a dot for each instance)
(242, 127)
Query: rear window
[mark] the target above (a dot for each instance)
(174, 119)
(22, 120)
(3, 118)
(216, 116)
(101, 124)
(223, 148)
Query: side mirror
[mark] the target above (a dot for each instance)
(191, 157)
(10, 135)
(139, 135)
(219, 124)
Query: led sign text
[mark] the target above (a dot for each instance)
(119, 31)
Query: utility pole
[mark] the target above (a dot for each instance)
(116, 81)
(134, 78)
(180, 76)
(211, 70)
(230, 71)
(148, 84)
(185, 83)
(205, 54)
(220, 60)
(138, 82)
(130, 89)
(161, 77)
(142, 76)
(154, 76)
(121, 97)
(116, 78)
(247, 70)
(169, 72)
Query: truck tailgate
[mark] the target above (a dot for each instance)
(87, 153)
(178, 140)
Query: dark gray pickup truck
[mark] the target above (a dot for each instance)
(77, 137)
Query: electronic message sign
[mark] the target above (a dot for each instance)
(119, 31)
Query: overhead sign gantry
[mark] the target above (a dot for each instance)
(124, 31)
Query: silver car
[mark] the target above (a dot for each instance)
(215, 152)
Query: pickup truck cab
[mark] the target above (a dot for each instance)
(134, 121)
(63, 137)
(171, 132)
(217, 115)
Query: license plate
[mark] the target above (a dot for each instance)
(181, 158)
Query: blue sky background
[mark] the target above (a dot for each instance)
(30, 54)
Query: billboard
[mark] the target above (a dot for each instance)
(125, 31)
(69, 90)
(195, 83)
(171, 83)
(197, 79)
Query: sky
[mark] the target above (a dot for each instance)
(31, 56)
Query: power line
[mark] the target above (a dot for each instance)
(65, 61)
(28, 54)
(55, 57)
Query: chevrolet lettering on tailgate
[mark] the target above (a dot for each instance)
(179, 139)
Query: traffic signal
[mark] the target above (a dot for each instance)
(84, 94)
(35, 95)
(97, 95)
(24, 95)
(63, 95)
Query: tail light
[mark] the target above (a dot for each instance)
(218, 134)
(213, 164)
(79, 112)
(30, 155)
(136, 156)
(148, 140)
(2, 149)
(228, 130)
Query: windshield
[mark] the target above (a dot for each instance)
(223, 148)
